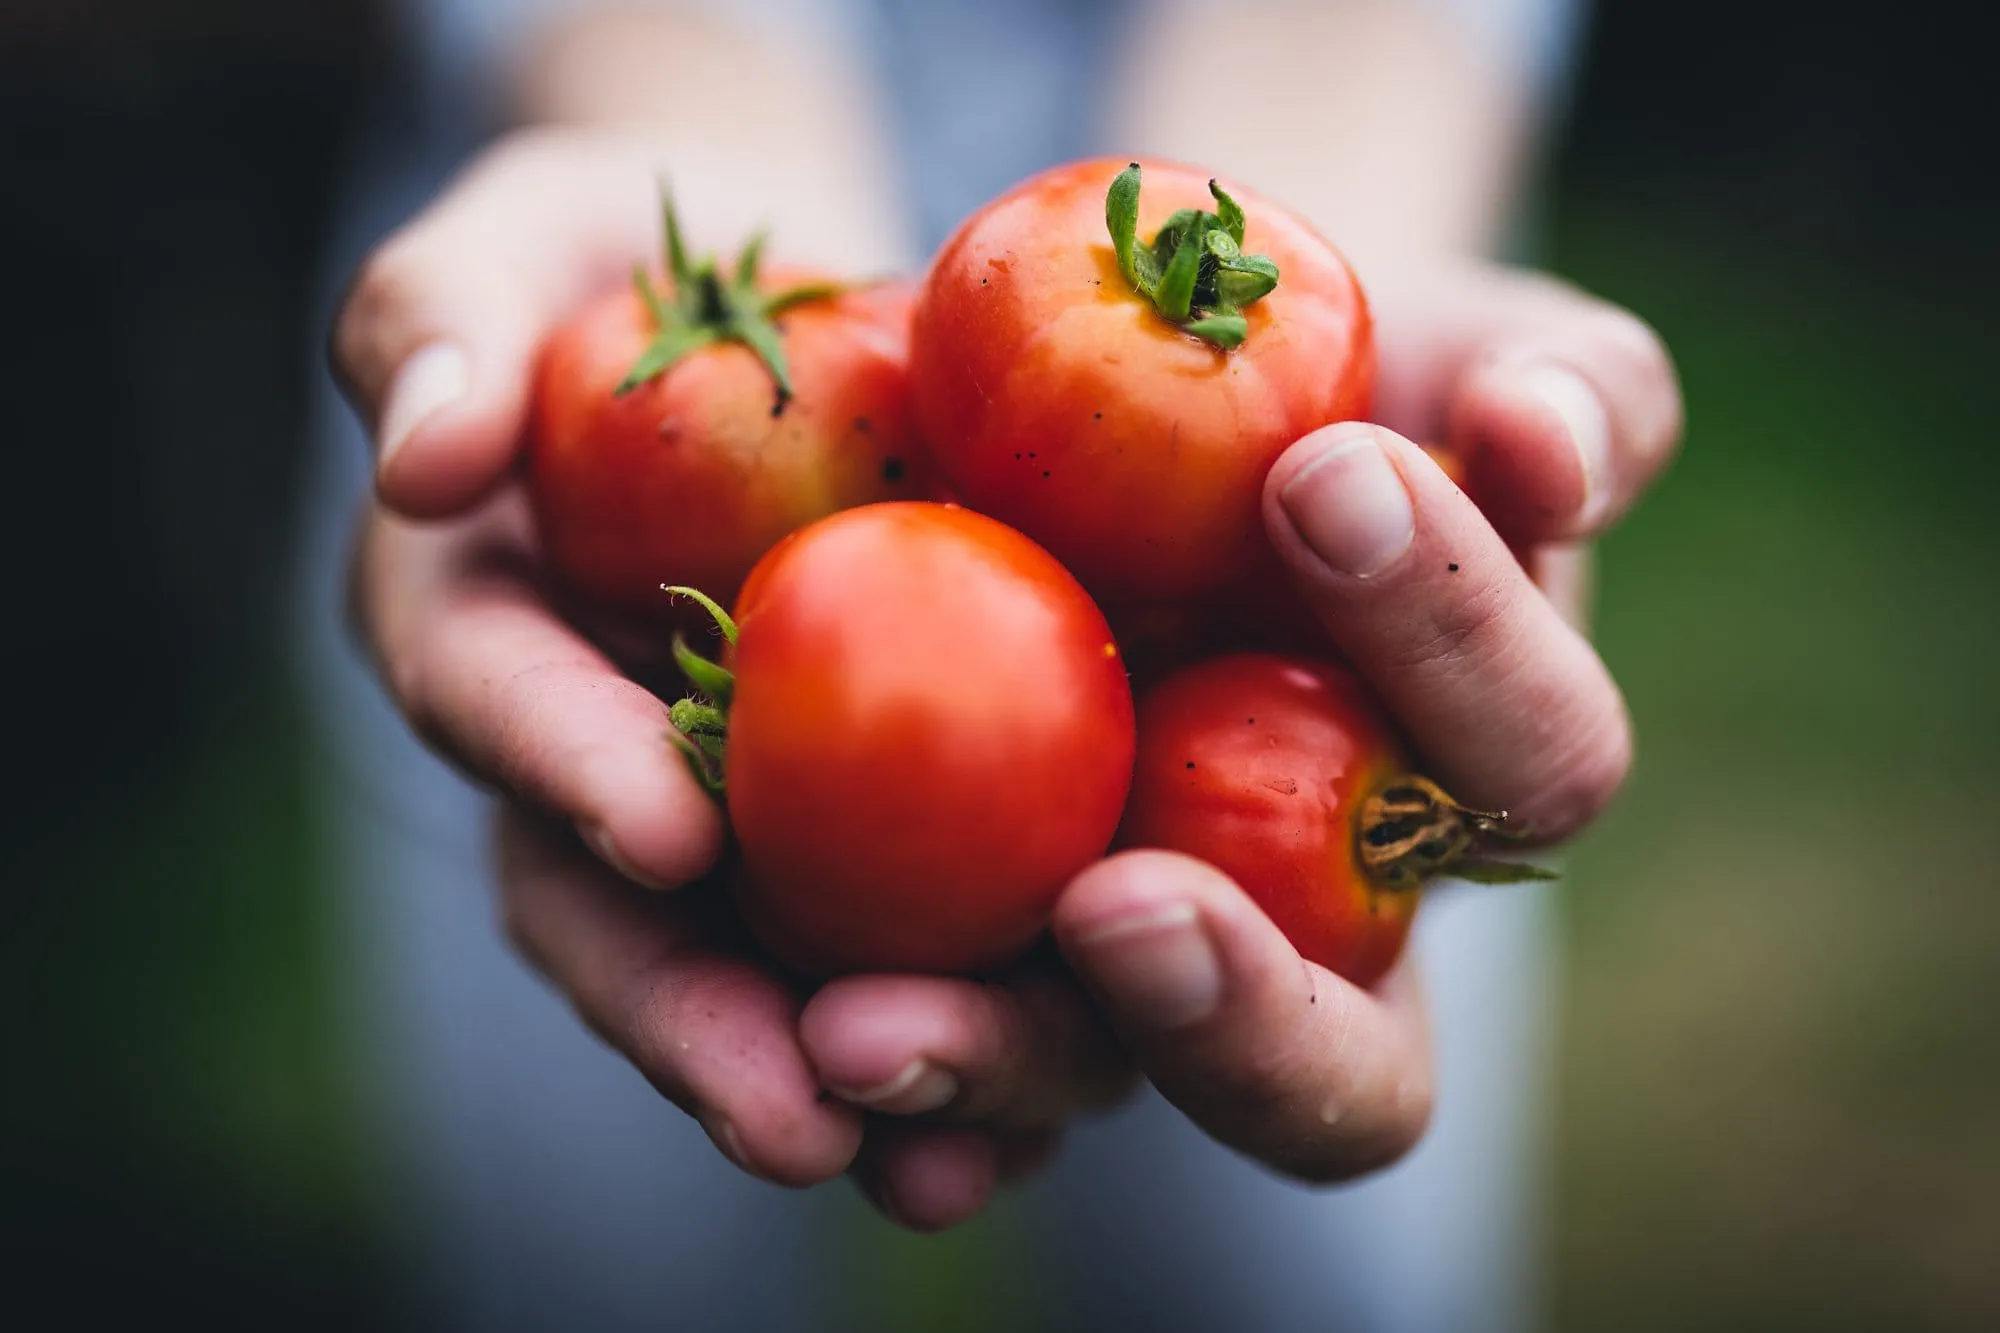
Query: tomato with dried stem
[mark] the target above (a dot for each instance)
(1284, 774)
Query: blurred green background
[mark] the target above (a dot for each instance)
(1780, 1085)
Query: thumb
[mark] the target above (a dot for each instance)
(1416, 589)
(1271, 1055)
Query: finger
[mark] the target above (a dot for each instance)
(928, 1178)
(659, 981)
(436, 339)
(1026, 1053)
(1562, 408)
(1271, 1055)
(489, 676)
(1509, 706)
(1561, 428)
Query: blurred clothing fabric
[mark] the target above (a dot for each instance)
(970, 127)
(544, 1185)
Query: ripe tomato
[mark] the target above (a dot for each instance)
(1130, 433)
(929, 732)
(675, 438)
(1283, 774)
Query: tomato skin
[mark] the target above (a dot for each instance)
(1059, 401)
(931, 733)
(1258, 765)
(689, 478)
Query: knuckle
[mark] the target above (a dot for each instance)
(1375, 1147)
(385, 290)
(409, 673)
(1262, 1083)
(527, 148)
(1458, 634)
(1372, 1116)
(654, 1018)
(1584, 776)
(517, 714)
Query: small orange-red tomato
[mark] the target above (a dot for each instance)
(930, 733)
(1263, 766)
(689, 477)
(1125, 430)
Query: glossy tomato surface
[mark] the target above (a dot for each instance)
(1258, 765)
(1061, 402)
(931, 734)
(690, 478)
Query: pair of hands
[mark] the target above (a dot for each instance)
(932, 1091)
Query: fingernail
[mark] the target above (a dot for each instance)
(434, 376)
(920, 1087)
(600, 841)
(723, 1134)
(1588, 426)
(1156, 966)
(1350, 505)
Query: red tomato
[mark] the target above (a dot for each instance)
(1283, 774)
(930, 733)
(1059, 398)
(689, 477)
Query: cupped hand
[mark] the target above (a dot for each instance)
(434, 346)
(1563, 410)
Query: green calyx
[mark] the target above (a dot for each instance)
(1194, 271)
(708, 308)
(701, 721)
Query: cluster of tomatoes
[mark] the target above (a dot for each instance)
(954, 523)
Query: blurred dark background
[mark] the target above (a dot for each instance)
(1780, 1099)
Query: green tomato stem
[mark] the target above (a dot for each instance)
(1193, 271)
(722, 618)
(701, 721)
(707, 308)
